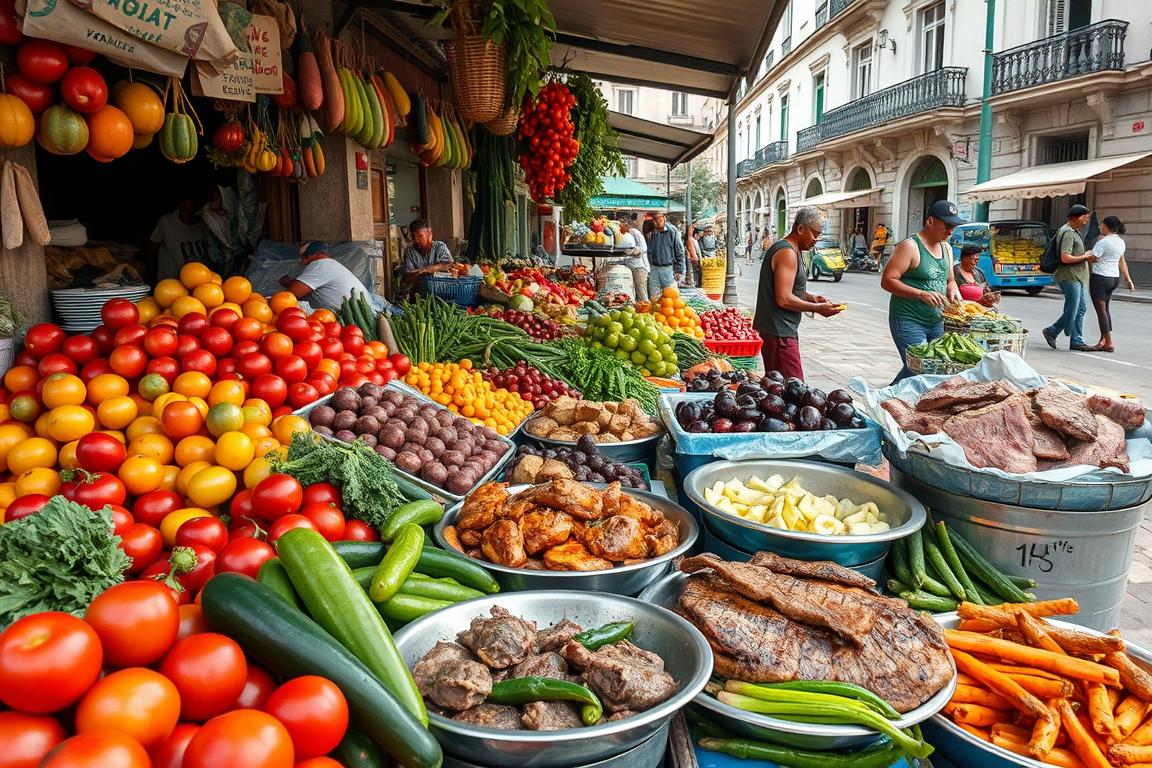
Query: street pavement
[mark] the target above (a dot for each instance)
(857, 343)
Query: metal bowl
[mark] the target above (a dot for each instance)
(905, 514)
(686, 655)
(642, 449)
(962, 748)
(649, 754)
(714, 544)
(625, 580)
(666, 593)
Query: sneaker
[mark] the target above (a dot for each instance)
(1050, 338)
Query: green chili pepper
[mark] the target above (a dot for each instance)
(876, 757)
(597, 638)
(835, 688)
(399, 561)
(524, 690)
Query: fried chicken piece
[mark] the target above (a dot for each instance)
(544, 529)
(663, 538)
(614, 538)
(577, 499)
(573, 557)
(503, 544)
(482, 507)
(644, 514)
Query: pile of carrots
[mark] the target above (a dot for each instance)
(1055, 695)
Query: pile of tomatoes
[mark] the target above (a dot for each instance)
(547, 143)
(140, 682)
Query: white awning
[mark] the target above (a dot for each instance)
(1055, 180)
(860, 198)
(763, 209)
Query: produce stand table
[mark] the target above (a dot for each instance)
(584, 252)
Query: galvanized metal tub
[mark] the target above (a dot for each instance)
(714, 544)
(1085, 555)
(905, 513)
(650, 754)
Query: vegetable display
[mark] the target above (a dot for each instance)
(463, 390)
(581, 462)
(728, 324)
(532, 385)
(634, 338)
(950, 348)
(599, 153)
(539, 328)
(547, 143)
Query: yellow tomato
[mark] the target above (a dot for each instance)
(45, 480)
(143, 425)
(234, 450)
(227, 391)
(211, 487)
(184, 478)
(237, 289)
(168, 478)
(192, 384)
(256, 471)
(186, 305)
(194, 448)
(257, 412)
(7, 494)
(283, 427)
(141, 474)
(116, 412)
(193, 273)
(201, 405)
(173, 520)
(265, 444)
(209, 294)
(258, 310)
(67, 456)
(114, 433)
(157, 447)
(148, 309)
(106, 385)
(11, 435)
(63, 389)
(70, 422)
(41, 425)
(31, 453)
(167, 291)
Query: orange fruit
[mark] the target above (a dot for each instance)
(235, 450)
(281, 300)
(258, 310)
(283, 427)
(193, 274)
(63, 389)
(70, 422)
(157, 447)
(192, 384)
(194, 448)
(227, 391)
(143, 425)
(237, 289)
(167, 291)
(186, 305)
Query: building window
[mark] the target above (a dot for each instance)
(1063, 149)
(758, 144)
(862, 70)
(626, 101)
(821, 13)
(1065, 15)
(786, 31)
(630, 167)
(783, 118)
(679, 103)
(932, 37)
(818, 97)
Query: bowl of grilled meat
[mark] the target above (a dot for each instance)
(774, 619)
(552, 678)
(565, 534)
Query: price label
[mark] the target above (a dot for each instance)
(1044, 556)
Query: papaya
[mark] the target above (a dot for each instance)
(62, 131)
(309, 86)
(318, 158)
(355, 100)
(397, 92)
(379, 128)
(334, 106)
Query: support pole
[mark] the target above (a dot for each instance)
(687, 194)
(730, 225)
(984, 159)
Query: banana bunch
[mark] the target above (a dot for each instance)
(375, 105)
(311, 147)
(262, 153)
(439, 140)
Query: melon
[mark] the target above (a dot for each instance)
(521, 303)
(62, 131)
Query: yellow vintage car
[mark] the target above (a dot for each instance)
(825, 260)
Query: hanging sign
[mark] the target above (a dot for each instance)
(234, 83)
(263, 34)
(189, 27)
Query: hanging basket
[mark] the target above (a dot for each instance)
(476, 66)
(505, 124)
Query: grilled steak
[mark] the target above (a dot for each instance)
(1047, 443)
(824, 570)
(491, 716)
(1066, 412)
(891, 649)
(550, 716)
(997, 435)
(1127, 413)
(623, 675)
(449, 677)
(501, 641)
(911, 420)
(947, 395)
(1109, 449)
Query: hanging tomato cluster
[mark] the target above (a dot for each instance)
(546, 141)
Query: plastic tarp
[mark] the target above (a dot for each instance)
(272, 260)
(994, 367)
(842, 446)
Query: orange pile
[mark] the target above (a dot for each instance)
(676, 315)
(465, 391)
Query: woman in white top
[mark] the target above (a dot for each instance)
(1105, 277)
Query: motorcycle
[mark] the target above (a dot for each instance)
(861, 261)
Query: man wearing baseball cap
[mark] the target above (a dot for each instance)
(919, 277)
(323, 282)
(1071, 277)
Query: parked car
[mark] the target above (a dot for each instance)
(826, 259)
(1010, 252)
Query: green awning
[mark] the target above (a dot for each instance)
(623, 193)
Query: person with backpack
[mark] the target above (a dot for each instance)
(1071, 276)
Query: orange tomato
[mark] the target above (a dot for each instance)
(116, 433)
(187, 473)
(66, 459)
(161, 402)
(257, 412)
(193, 273)
(30, 453)
(167, 291)
(264, 445)
(211, 487)
(7, 494)
(234, 450)
(137, 702)
(154, 446)
(106, 385)
(148, 309)
(116, 412)
(209, 294)
(257, 431)
(20, 377)
(283, 427)
(194, 448)
(141, 474)
(70, 422)
(237, 289)
(45, 480)
(258, 310)
(186, 305)
(168, 479)
(256, 471)
(323, 316)
(378, 349)
(330, 367)
(276, 345)
(192, 384)
(98, 748)
(227, 391)
(63, 389)
(247, 329)
(282, 300)
(143, 407)
(11, 435)
(143, 425)
(181, 419)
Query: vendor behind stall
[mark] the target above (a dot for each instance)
(323, 282)
(425, 255)
(178, 238)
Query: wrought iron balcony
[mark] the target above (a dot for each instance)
(939, 88)
(766, 155)
(786, 46)
(1096, 48)
(825, 12)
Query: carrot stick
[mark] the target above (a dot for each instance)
(1115, 695)
(1135, 679)
(1052, 662)
(1100, 709)
(1011, 669)
(1082, 742)
(1044, 734)
(975, 625)
(1129, 715)
(975, 714)
(1056, 756)
(1001, 684)
(980, 733)
(1024, 734)
(1102, 742)
(1036, 633)
(1125, 754)
(973, 694)
(1142, 736)
(992, 613)
(1043, 688)
(1083, 644)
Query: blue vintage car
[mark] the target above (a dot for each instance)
(1010, 252)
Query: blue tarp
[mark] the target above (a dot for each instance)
(272, 260)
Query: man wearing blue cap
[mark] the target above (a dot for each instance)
(324, 282)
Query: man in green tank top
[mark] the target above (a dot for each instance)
(919, 277)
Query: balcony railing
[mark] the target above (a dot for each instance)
(1095, 48)
(825, 12)
(786, 46)
(766, 155)
(939, 88)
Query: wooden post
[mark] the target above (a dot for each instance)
(23, 272)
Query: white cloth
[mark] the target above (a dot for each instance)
(637, 246)
(1108, 249)
(331, 282)
(179, 244)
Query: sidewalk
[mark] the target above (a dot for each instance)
(1138, 296)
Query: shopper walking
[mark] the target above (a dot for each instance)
(1072, 279)
(1105, 276)
(665, 255)
(637, 261)
(765, 242)
(782, 295)
(692, 247)
(749, 242)
(919, 277)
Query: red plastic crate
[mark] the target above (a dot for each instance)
(735, 348)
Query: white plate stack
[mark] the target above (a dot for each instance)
(79, 308)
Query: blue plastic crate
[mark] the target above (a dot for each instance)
(463, 291)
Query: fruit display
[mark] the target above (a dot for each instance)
(532, 385)
(728, 324)
(464, 391)
(715, 380)
(546, 141)
(636, 338)
(566, 419)
(539, 328)
(420, 438)
(772, 404)
(582, 462)
(601, 231)
(675, 315)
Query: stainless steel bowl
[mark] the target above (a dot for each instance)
(714, 544)
(649, 754)
(666, 593)
(625, 580)
(633, 450)
(905, 514)
(962, 748)
(686, 655)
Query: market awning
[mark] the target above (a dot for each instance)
(860, 198)
(1058, 179)
(660, 142)
(622, 193)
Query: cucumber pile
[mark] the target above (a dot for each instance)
(357, 311)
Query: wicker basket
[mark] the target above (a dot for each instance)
(925, 365)
(505, 124)
(478, 76)
(463, 291)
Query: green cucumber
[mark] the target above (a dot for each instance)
(922, 601)
(419, 585)
(987, 573)
(948, 550)
(936, 558)
(899, 560)
(291, 644)
(916, 559)
(399, 561)
(403, 608)
(369, 318)
(356, 750)
(273, 576)
(325, 584)
(424, 512)
(437, 563)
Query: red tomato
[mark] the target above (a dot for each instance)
(323, 493)
(352, 379)
(100, 489)
(94, 368)
(161, 341)
(82, 349)
(121, 518)
(301, 393)
(244, 555)
(244, 737)
(246, 528)
(130, 334)
(42, 61)
(209, 670)
(116, 313)
(217, 341)
(193, 324)
(223, 318)
(294, 327)
(383, 366)
(376, 378)
(323, 382)
(310, 352)
(318, 762)
(332, 329)
(22, 506)
(143, 544)
(165, 366)
(136, 621)
(257, 689)
(276, 496)
(24, 357)
(245, 347)
(281, 410)
(170, 752)
(154, 506)
(254, 365)
(357, 530)
(98, 750)
(292, 369)
(55, 362)
(37, 96)
(240, 508)
(137, 702)
(27, 738)
(199, 360)
(314, 712)
(325, 518)
(293, 312)
(353, 339)
(129, 362)
(47, 661)
(207, 532)
(400, 363)
(192, 621)
(332, 347)
(226, 369)
(185, 343)
(103, 336)
(84, 89)
(317, 328)
(288, 523)
(268, 387)
(98, 452)
(79, 56)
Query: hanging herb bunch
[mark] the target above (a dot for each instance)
(547, 143)
(599, 151)
(528, 30)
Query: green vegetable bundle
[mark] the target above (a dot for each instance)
(602, 377)
(10, 319)
(599, 154)
(949, 348)
(357, 311)
(1002, 325)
